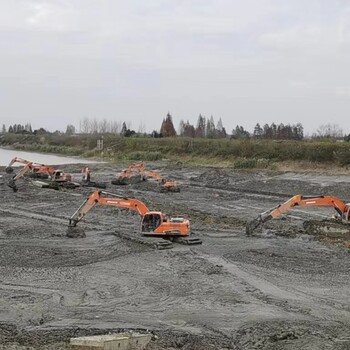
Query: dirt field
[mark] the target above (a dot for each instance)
(277, 289)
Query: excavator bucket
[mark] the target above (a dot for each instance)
(12, 184)
(75, 232)
(165, 189)
(252, 225)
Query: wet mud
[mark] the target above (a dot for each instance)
(281, 288)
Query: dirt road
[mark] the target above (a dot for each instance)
(278, 289)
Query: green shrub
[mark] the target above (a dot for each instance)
(251, 163)
(342, 156)
(144, 155)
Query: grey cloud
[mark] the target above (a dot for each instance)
(244, 61)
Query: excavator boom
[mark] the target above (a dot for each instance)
(113, 199)
(298, 200)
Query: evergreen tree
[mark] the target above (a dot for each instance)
(210, 128)
(167, 129)
(189, 130)
(124, 129)
(240, 133)
(220, 130)
(258, 131)
(181, 128)
(200, 130)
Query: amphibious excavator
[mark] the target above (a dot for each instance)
(136, 173)
(131, 175)
(55, 177)
(42, 171)
(86, 180)
(153, 223)
(342, 209)
(165, 185)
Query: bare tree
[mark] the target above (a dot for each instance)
(329, 131)
(84, 126)
(142, 128)
(94, 126)
(103, 126)
(115, 127)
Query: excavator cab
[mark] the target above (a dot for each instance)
(151, 221)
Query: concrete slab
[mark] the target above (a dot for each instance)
(120, 341)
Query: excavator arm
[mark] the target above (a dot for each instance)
(307, 201)
(34, 167)
(18, 160)
(152, 174)
(109, 199)
(24, 170)
(134, 168)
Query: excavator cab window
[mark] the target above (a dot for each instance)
(150, 222)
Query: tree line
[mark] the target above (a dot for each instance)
(204, 128)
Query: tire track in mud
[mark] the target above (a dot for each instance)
(230, 189)
(290, 299)
(287, 297)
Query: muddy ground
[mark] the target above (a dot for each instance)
(278, 289)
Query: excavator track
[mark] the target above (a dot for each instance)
(189, 240)
(122, 181)
(170, 189)
(154, 242)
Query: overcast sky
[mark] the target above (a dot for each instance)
(246, 61)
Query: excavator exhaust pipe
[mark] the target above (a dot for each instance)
(75, 232)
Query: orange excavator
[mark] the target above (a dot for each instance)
(56, 177)
(165, 185)
(40, 170)
(342, 209)
(136, 173)
(86, 180)
(131, 175)
(153, 223)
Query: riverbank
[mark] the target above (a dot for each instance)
(6, 154)
(269, 155)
